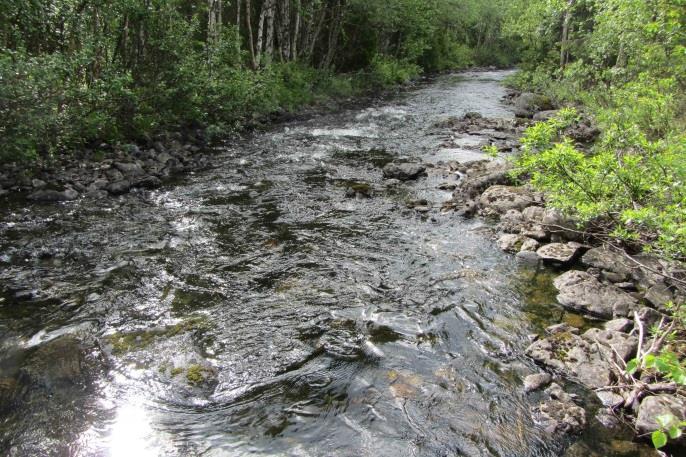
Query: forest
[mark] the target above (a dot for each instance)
(77, 73)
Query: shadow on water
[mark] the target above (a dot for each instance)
(285, 302)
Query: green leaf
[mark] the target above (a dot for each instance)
(632, 366)
(674, 432)
(659, 439)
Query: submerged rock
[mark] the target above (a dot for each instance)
(582, 292)
(404, 171)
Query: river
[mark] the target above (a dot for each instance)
(254, 309)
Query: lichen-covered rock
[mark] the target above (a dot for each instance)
(617, 343)
(559, 414)
(582, 292)
(574, 356)
(558, 253)
(585, 357)
(500, 199)
(658, 405)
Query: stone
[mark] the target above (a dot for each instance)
(536, 381)
(561, 328)
(511, 222)
(556, 417)
(404, 171)
(499, 199)
(528, 258)
(129, 169)
(511, 243)
(536, 232)
(607, 260)
(610, 399)
(38, 183)
(149, 182)
(47, 195)
(574, 356)
(558, 253)
(473, 115)
(659, 295)
(163, 157)
(650, 316)
(545, 115)
(582, 292)
(619, 325)
(527, 104)
(585, 358)
(530, 246)
(534, 214)
(119, 187)
(618, 343)
(658, 405)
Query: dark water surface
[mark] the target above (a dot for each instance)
(253, 309)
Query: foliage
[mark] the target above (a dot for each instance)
(633, 183)
(670, 427)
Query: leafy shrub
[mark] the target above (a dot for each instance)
(634, 184)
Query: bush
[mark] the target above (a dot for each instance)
(633, 184)
(386, 71)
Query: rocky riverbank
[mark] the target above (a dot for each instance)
(623, 295)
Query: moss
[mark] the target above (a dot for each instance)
(195, 375)
(126, 342)
(176, 371)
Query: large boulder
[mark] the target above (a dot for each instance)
(501, 199)
(404, 171)
(658, 405)
(582, 292)
(586, 357)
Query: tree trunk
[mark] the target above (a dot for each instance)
(251, 45)
(269, 38)
(564, 42)
(260, 32)
(285, 30)
(296, 32)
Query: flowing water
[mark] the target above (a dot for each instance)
(254, 309)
